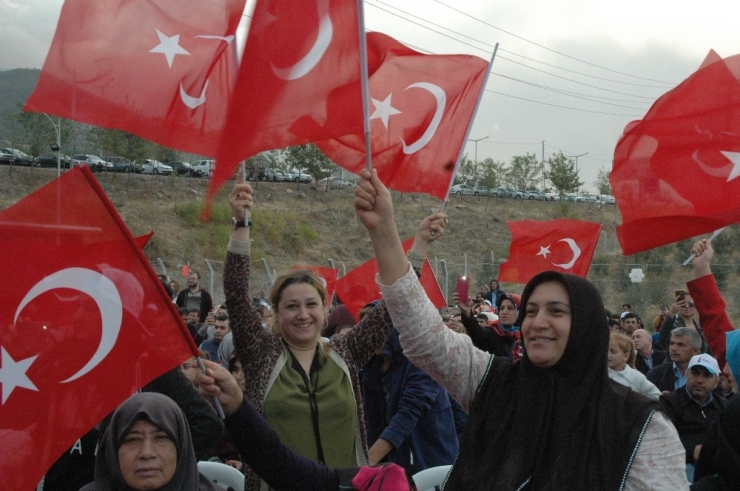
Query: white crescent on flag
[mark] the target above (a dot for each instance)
(441, 98)
(576, 253)
(323, 40)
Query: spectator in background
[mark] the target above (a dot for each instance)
(626, 307)
(494, 293)
(660, 318)
(175, 287)
(621, 359)
(195, 297)
(646, 357)
(682, 314)
(685, 343)
(693, 408)
(630, 323)
(221, 328)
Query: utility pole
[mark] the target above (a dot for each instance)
(476, 155)
(576, 157)
(543, 166)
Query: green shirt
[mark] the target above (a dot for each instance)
(288, 410)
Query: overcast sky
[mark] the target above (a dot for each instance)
(572, 73)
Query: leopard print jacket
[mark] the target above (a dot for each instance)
(259, 350)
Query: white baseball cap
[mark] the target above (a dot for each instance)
(705, 361)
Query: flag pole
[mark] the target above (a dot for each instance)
(364, 83)
(715, 234)
(470, 127)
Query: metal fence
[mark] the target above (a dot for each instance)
(613, 280)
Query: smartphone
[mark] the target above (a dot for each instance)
(680, 295)
(463, 288)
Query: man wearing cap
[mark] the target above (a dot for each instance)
(693, 408)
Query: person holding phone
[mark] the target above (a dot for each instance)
(682, 313)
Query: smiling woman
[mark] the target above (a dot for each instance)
(147, 446)
(553, 420)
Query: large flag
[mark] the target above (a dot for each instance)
(676, 171)
(328, 277)
(358, 287)
(422, 105)
(299, 80)
(160, 69)
(560, 245)
(84, 322)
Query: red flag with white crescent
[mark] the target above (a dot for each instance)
(84, 323)
(676, 171)
(358, 287)
(559, 245)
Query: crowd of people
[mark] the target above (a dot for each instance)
(545, 390)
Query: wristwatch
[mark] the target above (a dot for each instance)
(235, 224)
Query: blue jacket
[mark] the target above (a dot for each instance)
(407, 408)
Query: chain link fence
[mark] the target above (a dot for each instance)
(613, 280)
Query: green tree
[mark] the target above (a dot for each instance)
(466, 172)
(524, 172)
(602, 181)
(492, 172)
(563, 175)
(310, 159)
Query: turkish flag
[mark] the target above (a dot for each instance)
(84, 323)
(422, 105)
(358, 287)
(559, 245)
(160, 69)
(676, 171)
(299, 80)
(143, 240)
(327, 275)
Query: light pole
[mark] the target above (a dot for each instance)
(476, 154)
(58, 149)
(576, 157)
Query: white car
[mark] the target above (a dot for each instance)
(206, 168)
(605, 199)
(461, 189)
(151, 166)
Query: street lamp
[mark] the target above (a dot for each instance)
(57, 147)
(476, 153)
(576, 157)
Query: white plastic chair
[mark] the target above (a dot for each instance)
(427, 479)
(222, 474)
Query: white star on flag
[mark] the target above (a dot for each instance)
(544, 251)
(169, 46)
(384, 110)
(733, 157)
(13, 374)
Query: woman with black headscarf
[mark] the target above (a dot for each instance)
(553, 421)
(147, 446)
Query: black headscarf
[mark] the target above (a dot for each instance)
(564, 427)
(163, 413)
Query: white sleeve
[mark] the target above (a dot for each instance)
(448, 357)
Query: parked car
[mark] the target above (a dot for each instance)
(501, 192)
(516, 194)
(552, 196)
(151, 166)
(184, 169)
(6, 157)
(21, 158)
(120, 164)
(94, 162)
(462, 189)
(205, 167)
(481, 191)
(50, 160)
(575, 198)
(534, 195)
(605, 199)
(589, 198)
(298, 176)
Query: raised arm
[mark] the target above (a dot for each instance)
(250, 339)
(449, 358)
(709, 303)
